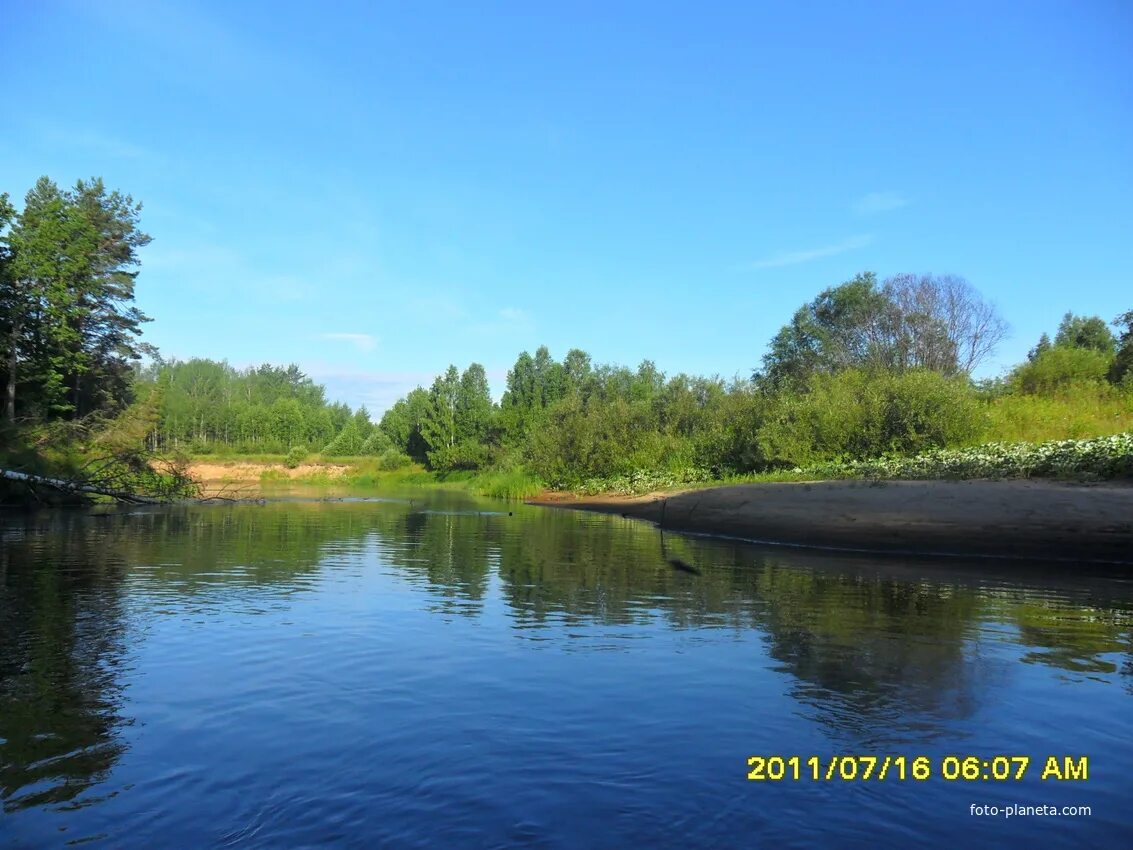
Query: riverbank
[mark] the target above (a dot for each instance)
(219, 473)
(266, 476)
(1013, 518)
(1005, 518)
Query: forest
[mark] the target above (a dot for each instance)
(867, 369)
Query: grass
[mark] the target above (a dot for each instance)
(513, 485)
(1089, 412)
(366, 473)
(499, 484)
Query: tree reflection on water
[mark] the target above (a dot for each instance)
(877, 648)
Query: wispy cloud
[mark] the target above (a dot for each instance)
(94, 142)
(794, 258)
(211, 267)
(514, 314)
(879, 202)
(363, 342)
(438, 307)
(508, 322)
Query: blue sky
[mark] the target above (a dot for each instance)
(374, 190)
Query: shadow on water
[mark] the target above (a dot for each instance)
(883, 650)
(61, 633)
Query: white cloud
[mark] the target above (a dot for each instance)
(879, 202)
(794, 258)
(363, 342)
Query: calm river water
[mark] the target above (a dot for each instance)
(443, 674)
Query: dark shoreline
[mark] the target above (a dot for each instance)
(1035, 520)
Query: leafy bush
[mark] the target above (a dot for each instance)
(1102, 457)
(856, 413)
(294, 457)
(466, 455)
(642, 481)
(574, 441)
(348, 443)
(378, 443)
(1061, 367)
(393, 460)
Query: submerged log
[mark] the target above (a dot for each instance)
(78, 488)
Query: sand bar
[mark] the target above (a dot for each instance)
(1026, 519)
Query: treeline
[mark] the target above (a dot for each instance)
(866, 369)
(70, 351)
(207, 406)
(68, 327)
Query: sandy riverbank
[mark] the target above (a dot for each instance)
(1031, 519)
(211, 473)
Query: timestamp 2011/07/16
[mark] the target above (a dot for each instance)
(864, 768)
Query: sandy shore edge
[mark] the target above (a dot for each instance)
(1025, 519)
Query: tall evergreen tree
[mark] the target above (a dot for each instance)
(68, 289)
(1085, 332)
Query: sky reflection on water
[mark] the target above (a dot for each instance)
(357, 673)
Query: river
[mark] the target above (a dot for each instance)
(429, 669)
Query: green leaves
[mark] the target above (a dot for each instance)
(864, 414)
(1060, 368)
(456, 421)
(1101, 457)
(1088, 332)
(68, 326)
(930, 322)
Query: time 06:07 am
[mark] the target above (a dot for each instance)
(850, 768)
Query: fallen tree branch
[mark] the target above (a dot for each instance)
(77, 488)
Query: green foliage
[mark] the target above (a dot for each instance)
(295, 456)
(645, 481)
(1090, 332)
(110, 453)
(402, 424)
(511, 484)
(1098, 458)
(836, 330)
(457, 419)
(464, 455)
(378, 443)
(579, 439)
(1121, 370)
(856, 413)
(353, 437)
(1081, 411)
(1061, 367)
(393, 460)
(67, 321)
(536, 383)
(938, 323)
(209, 406)
(1043, 344)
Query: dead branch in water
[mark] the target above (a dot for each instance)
(227, 493)
(77, 488)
